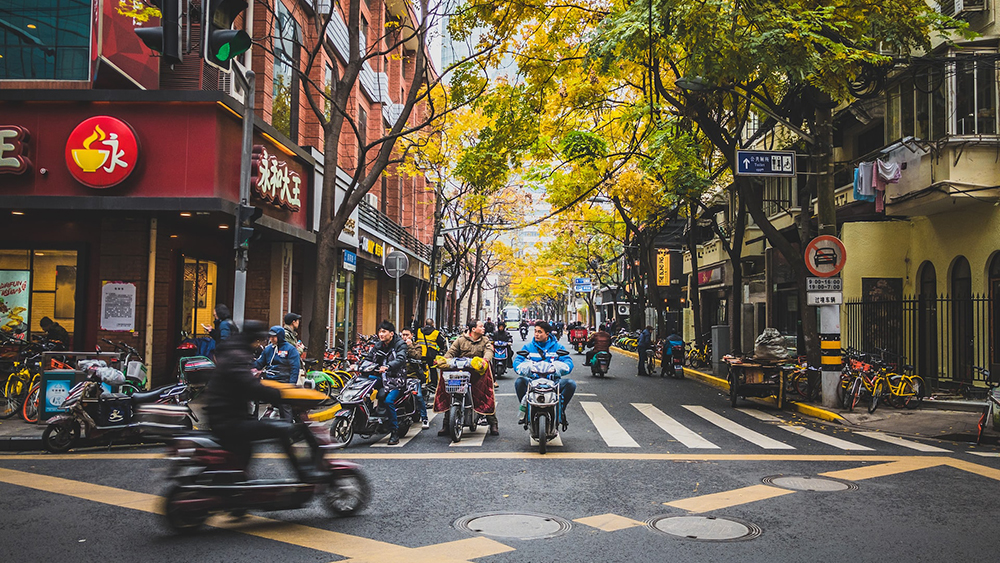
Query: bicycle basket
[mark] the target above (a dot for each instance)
(456, 383)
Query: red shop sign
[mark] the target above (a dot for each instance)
(102, 151)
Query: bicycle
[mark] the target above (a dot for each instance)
(699, 356)
(991, 402)
(902, 389)
(865, 382)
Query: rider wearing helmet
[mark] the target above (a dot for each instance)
(543, 344)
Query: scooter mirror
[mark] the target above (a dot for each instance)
(522, 353)
(563, 352)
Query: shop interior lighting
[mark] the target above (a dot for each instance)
(15, 212)
(173, 236)
(185, 213)
(32, 26)
(223, 227)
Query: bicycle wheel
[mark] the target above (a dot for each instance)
(917, 384)
(877, 390)
(30, 408)
(13, 396)
(984, 420)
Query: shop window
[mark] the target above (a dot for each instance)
(45, 40)
(198, 301)
(35, 284)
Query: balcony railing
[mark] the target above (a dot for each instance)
(396, 234)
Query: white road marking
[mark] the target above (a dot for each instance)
(613, 433)
(679, 432)
(825, 439)
(413, 431)
(985, 454)
(472, 439)
(904, 443)
(741, 431)
(557, 441)
(759, 415)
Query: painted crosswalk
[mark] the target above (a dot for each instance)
(699, 433)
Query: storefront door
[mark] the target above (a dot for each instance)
(198, 286)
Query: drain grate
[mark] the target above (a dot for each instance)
(809, 483)
(515, 525)
(705, 528)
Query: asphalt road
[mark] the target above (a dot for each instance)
(645, 463)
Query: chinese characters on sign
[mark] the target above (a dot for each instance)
(13, 149)
(824, 298)
(118, 306)
(765, 163)
(101, 152)
(273, 181)
(662, 267)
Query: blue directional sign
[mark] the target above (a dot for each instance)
(581, 281)
(583, 287)
(765, 163)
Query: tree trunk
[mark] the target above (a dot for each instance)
(736, 259)
(694, 294)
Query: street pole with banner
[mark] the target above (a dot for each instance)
(396, 264)
(350, 266)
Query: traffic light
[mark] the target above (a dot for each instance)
(220, 44)
(165, 39)
(246, 216)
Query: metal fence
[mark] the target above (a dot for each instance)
(383, 225)
(942, 337)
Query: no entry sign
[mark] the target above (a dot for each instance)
(825, 256)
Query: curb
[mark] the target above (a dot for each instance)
(718, 382)
(20, 443)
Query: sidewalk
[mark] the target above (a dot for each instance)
(940, 419)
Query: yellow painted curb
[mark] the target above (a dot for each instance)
(632, 355)
(325, 415)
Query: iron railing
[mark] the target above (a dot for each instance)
(382, 224)
(941, 337)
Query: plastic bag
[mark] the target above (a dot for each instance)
(770, 345)
(111, 376)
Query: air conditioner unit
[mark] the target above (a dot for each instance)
(231, 85)
(372, 200)
(959, 8)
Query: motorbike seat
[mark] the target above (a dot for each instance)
(149, 396)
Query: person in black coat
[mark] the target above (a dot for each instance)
(389, 355)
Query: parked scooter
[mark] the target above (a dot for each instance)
(457, 377)
(206, 478)
(600, 364)
(542, 401)
(358, 415)
(94, 413)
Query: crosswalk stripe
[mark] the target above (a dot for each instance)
(739, 430)
(557, 441)
(825, 439)
(985, 454)
(471, 439)
(904, 443)
(679, 432)
(763, 416)
(413, 431)
(613, 433)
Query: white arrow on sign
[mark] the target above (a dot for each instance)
(746, 163)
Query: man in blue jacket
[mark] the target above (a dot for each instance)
(281, 362)
(538, 349)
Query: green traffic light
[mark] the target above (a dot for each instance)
(231, 44)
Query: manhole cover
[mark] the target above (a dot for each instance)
(515, 525)
(705, 528)
(808, 483)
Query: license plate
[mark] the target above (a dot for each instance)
(455, 382)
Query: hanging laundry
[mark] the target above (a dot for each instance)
(864, 190)
(885, 173)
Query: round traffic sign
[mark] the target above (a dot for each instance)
(396, 264)
(825, 256)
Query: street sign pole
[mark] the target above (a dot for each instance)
(399, 317)
(347, 314)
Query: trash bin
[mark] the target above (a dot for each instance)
(720, 347)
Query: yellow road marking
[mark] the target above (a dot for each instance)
(725, 499)
(357, 549)
(871, 471)
(609, 522)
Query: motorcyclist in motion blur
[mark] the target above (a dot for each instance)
(232, 387)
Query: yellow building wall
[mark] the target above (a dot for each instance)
(898, 248)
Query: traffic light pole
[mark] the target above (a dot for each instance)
(240, 283)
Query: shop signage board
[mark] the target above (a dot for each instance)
(825, 256)
(350, 261)
(13, 149)
(824, 284)
(662, 267)
(102, 152)
(765, 163)
(581, 281)
(15, 288)
(274, 181)
(712, 275)
(118, 306)
(824, 298)
(583, 288)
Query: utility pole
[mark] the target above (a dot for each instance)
(829, 315)
(240, 282)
